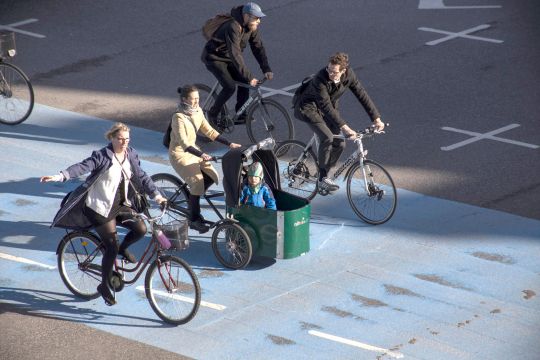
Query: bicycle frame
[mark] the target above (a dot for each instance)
(254, 98)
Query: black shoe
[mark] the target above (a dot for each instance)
(106, 295)
(199, 226)
(129, 257)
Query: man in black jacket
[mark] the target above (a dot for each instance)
(222, 55)
(317, 106)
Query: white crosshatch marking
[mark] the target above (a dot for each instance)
(439, 5)
(13, 27)
(283, 91)
(461, 34)
(489, 136)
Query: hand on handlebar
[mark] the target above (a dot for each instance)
(269, 75)
(348, 132)
(253, 82)
(235, 146)
(378, 125)
(206, 157)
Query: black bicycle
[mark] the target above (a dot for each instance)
(265, 117)
(16, 92)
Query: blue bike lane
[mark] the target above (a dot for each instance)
(440, 280)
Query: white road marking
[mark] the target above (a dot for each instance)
(187, 299)
(284, 91)
(356, 344)
(489, 135)
(461, 34)
(439, 5)
(25, 261)
(13, 27)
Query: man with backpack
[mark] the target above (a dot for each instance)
(222, 54)
(316, 103)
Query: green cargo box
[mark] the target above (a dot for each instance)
(281, 234)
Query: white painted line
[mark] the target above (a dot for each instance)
(356, 344)
(489, 136)
(439, 5)
(283, 91)
(187, 299)
(13, 27)
(461, 34)
(25, 261)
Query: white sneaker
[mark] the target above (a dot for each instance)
(328, 184)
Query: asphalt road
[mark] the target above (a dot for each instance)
(123, 60)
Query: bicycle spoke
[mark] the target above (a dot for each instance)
(16, 95)
(269, 119)
(373, 197)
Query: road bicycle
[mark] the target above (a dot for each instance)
(370, 189)
(171, 286)
(264, 117)
(16, 92)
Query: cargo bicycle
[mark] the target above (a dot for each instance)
(170, 285)
(243, 231)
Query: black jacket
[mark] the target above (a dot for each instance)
(322, 95)
(230, 40)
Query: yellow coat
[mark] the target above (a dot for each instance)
(188, 166)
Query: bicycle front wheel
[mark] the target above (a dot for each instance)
(206, 101)
(371, 192)
(298, 169)
(177, 195)
(231, 245)
(269, 119)
(173, 290)
(16, 95)
(79, 263)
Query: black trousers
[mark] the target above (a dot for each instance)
(227, 76)
(330, 149)
(195, 200)
(106, 229)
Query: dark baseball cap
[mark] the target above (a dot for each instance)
(253, 9)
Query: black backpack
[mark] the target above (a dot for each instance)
(300, 90)
(167, 136)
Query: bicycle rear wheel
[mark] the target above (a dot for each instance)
(298, 169)
(231, 245)
(79, 263)
(224, 123)
(373, 197)
(16, 95)
(173, 290)
(177, 196)
(269, 119)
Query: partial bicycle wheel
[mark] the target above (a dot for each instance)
(371, 192)
(173, 290)
(79, 263)
(298, 169)
(177, 195)
(231, 245)
(269, 119)
(224, 122)
(16, 95)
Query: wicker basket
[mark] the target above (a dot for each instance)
(177, 232)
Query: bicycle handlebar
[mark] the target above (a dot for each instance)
(266, 144)
(259, 83)
(143, 216)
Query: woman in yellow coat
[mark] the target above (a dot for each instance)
(187, 159)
